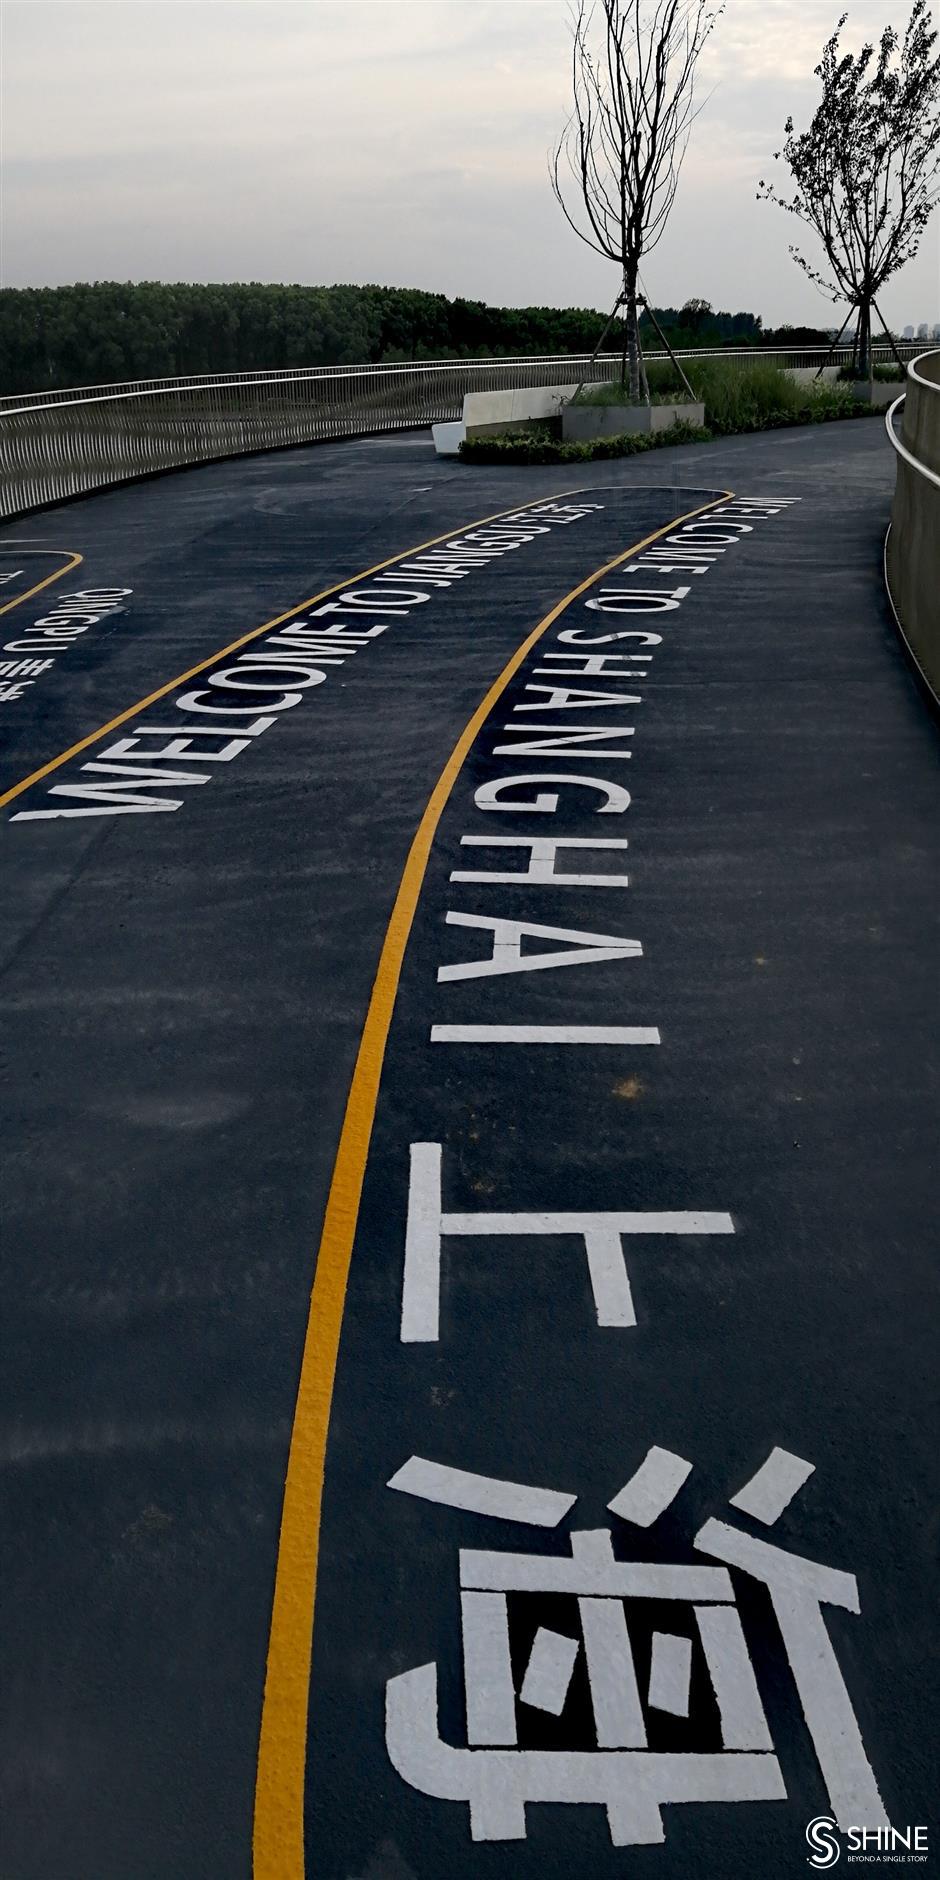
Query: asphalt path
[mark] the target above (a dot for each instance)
(225, 1019)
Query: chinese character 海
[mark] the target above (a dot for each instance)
(497, 1778)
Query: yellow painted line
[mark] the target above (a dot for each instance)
(72, 562)
(234, 646)
(279, 1792)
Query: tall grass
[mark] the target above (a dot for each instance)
(738, 395)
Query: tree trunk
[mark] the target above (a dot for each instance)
(864, 339)
(644, 379)
(633, 362)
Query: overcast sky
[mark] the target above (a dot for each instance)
(400, 141)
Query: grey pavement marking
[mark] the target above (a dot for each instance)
(490, 1697)
(481, 1494)
(618, 1713)
(651, 1488)
(670, 1673)
(773, 1487)
(743, 1723)
(548, 1672)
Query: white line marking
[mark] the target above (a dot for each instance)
(651, 1488)
(743, 1723)
(631, 1784)
(680, 1223)
(773, 1487)
(601, 1234)
(830, 1718)
(491, 1700)
(618, 1579)
(583, 948)
(481, 1494)
(548, 1672)
(798, 1589)
(618, 1715)
(421, 1287)
(546, 803)
(670, 1672)
(609, 1280)
(542, 853)
(791, 1572)
(545, 1034)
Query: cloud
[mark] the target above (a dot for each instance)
(402, 140)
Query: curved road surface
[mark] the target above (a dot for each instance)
(506, 900)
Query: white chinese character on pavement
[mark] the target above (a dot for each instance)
(8, 692)
(23, 668)
(601, 1234)
(498, 1779)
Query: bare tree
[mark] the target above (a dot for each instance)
(866, 170)
(619, 156)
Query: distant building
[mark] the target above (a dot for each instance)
(908, 332)
(935, 331)
(923, 331)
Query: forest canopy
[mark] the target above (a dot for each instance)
(90, 334)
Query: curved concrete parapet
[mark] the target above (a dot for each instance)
(912, 559)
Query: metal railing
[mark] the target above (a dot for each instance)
(912, 550)
(57, 445)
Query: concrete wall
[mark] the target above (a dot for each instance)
(913, 560)
(487, 413)
(807, 375)
(490, 414)
(880, 392)
(582, 422)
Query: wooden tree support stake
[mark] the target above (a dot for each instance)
(643, 302)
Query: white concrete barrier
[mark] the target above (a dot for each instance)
(521, 409)
(448, 438)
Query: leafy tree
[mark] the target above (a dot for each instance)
(865, 171)
(697, 324)
(799, 336)
(696, 314)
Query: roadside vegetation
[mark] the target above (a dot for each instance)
(545, 445)
(735, 394)
(756, 397)
(882, 375)
(736, 397)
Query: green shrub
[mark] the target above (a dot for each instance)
(738, 395)
(537, 447)
(758, 404)
(615, 392)
(882, 375)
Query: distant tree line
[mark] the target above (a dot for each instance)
(88, 334)
(697, 324)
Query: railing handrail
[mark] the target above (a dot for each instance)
(58, 445)
(121, 389)
(930, 385)
(912, 547)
